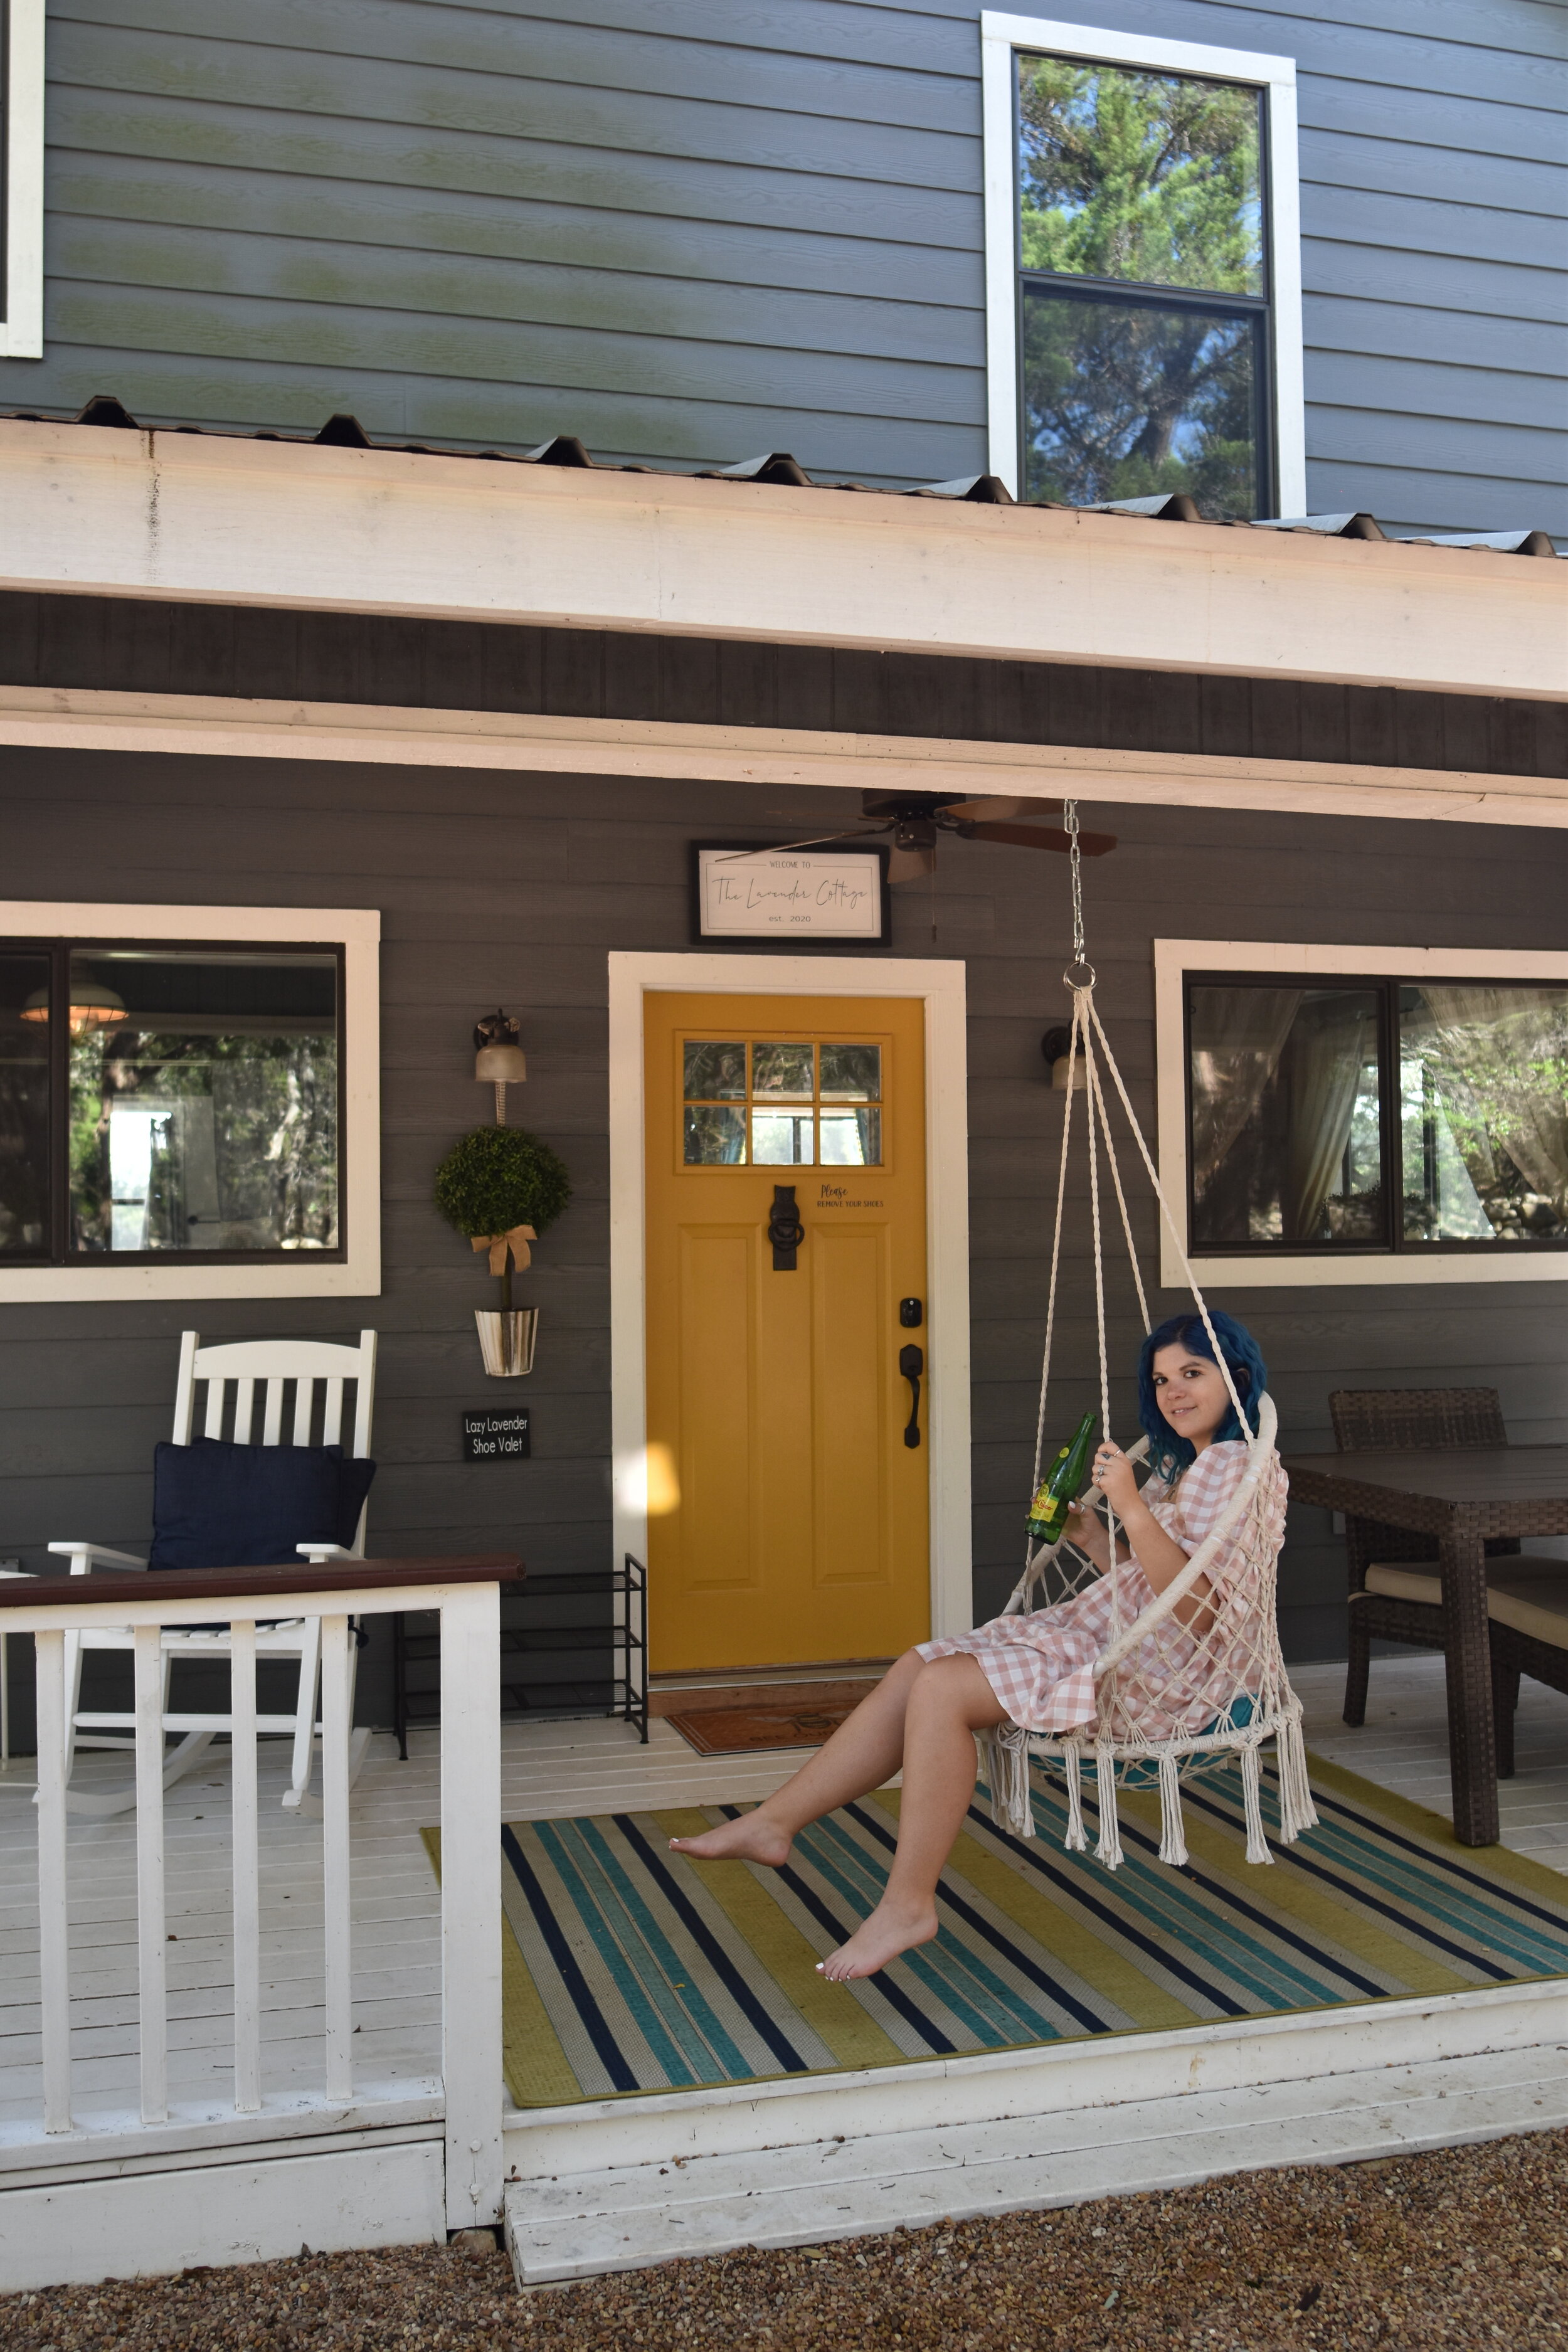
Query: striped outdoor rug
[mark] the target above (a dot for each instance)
(629, 1968)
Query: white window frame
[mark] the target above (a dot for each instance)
(22, 260)
(1174, 959)
(357, 931)
(1001, 37)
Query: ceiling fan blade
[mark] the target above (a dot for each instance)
(1033, 836)
(817, 840)
(909, 864)
(998, 810)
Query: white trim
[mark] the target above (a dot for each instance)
(1067, 2078)
(1396, 1269)
(88, 719)
(202, 518)
(22, 260)
(942, 988)
(1000, 38)
(357, 929)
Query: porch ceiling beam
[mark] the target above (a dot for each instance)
(222, 519)
(75, 718)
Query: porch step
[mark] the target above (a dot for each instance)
(629, 2216)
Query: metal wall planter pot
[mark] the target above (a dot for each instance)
(506, 1339)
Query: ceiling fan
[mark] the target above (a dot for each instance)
(915, 819)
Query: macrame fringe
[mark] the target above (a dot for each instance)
(1075, 1840)
(1108, 1850)
(1006, 1767)
(1296, 1811)
(1252, 1797)
(1172, 1843)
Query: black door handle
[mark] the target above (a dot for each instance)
(912, 1364)
(785, 1229)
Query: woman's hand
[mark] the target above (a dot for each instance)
(1086, 1530)
(1113, 1474)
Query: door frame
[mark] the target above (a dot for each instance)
(941, 987)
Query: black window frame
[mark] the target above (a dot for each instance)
(1387, 986)
(60, 1257)
(1137, 293)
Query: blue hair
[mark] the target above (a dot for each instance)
(1169, 1454)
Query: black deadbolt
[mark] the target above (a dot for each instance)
(912, 1314)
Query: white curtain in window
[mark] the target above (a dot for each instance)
(1328, 1047)
(1238, 1035)
(1501, 1073)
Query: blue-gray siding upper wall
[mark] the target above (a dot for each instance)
(692, 229)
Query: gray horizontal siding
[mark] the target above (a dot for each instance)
(689, 231)
(574, 867)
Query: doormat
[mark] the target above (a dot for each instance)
(811, 1714)
(629, 1968)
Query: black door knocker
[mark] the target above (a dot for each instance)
(785, 1229)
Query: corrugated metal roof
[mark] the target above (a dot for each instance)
(344, 432)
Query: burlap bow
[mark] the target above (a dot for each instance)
(498, 1244)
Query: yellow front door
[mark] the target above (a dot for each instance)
(787, 1494)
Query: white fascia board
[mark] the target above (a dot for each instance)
(1001, 38)
(22, 255)
(99, 510)
(357, 930)
(1393, 1269)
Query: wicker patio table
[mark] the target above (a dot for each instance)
(1459, 1498)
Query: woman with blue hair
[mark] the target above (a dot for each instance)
(1037, 1670)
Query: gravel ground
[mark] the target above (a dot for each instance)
(1465, 2248)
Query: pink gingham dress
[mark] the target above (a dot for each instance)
(1041, 1666)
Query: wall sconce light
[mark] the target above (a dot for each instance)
(1068, 1069)
(500, 1060)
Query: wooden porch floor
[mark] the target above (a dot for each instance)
(548, 1769)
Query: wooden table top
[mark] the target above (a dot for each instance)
(62, 1591)
(1469, 1473)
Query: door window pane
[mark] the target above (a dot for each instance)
(851, 1073)
(715, 1072)
(851, 1138)
(203, 1101)
(24, 1106)
(1287, 1143)
(715, 1135)
(782, 1138)
(1145, 177)
(1483, 1081)
(1126, 399)
(781, 1070)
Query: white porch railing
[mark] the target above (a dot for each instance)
(466, 1593)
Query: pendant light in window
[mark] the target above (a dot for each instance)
(99, 1008)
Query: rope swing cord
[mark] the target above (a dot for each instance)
(1133, 1674)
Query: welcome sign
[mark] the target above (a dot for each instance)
(801, 896)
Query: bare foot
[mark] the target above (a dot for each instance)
(884, 1936)
(749, 1838)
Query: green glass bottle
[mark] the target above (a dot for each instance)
(1061, 1484)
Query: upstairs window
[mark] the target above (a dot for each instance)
(22, 179)
(159, 1101)
(1143, 279)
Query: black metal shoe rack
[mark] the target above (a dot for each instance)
(623, 1629)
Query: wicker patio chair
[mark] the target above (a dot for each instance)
(1396, 1584)
(1529, 1629)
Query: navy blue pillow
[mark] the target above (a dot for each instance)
(220, 1505)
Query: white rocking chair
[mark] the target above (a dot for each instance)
(242, 1364)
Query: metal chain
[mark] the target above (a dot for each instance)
(1070, 819)
(1081, 973)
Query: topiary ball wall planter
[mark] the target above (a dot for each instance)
(503, 1187)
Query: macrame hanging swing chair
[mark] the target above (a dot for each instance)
(1140, 1737)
